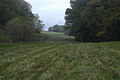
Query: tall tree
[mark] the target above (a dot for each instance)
(10, 9)
(93, 20)
(17, 20)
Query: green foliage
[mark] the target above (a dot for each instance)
(20, 29)
(18, 21)
(38, 24)
(10, 9)
(94, 20)
(57, 28)
(3, 37)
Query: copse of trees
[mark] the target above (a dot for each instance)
(57, 28)
(20, 29)
(17, 22)
(94, 20)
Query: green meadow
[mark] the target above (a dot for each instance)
(60, 61)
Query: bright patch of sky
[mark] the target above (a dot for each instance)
(50, 11)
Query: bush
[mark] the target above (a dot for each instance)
(3, 37)
(20, 29)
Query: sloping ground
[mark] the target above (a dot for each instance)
(56, 36)
(60, 61)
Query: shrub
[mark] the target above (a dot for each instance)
(20, 29)
(3, 37)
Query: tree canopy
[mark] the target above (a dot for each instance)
(94, 20)
(16, 16)
(57, 28)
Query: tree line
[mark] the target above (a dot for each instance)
(57, 28)
(94, 20)
(17, 22)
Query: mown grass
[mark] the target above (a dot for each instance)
(60, 61)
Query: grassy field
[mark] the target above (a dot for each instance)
(60, 61)
(55, 36)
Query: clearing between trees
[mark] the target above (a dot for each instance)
(60, 61)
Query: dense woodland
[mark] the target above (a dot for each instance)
(17, 22)
(94, 20)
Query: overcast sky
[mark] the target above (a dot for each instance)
(50, 11)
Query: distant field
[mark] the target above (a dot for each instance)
(55, 36)
(60, 61)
